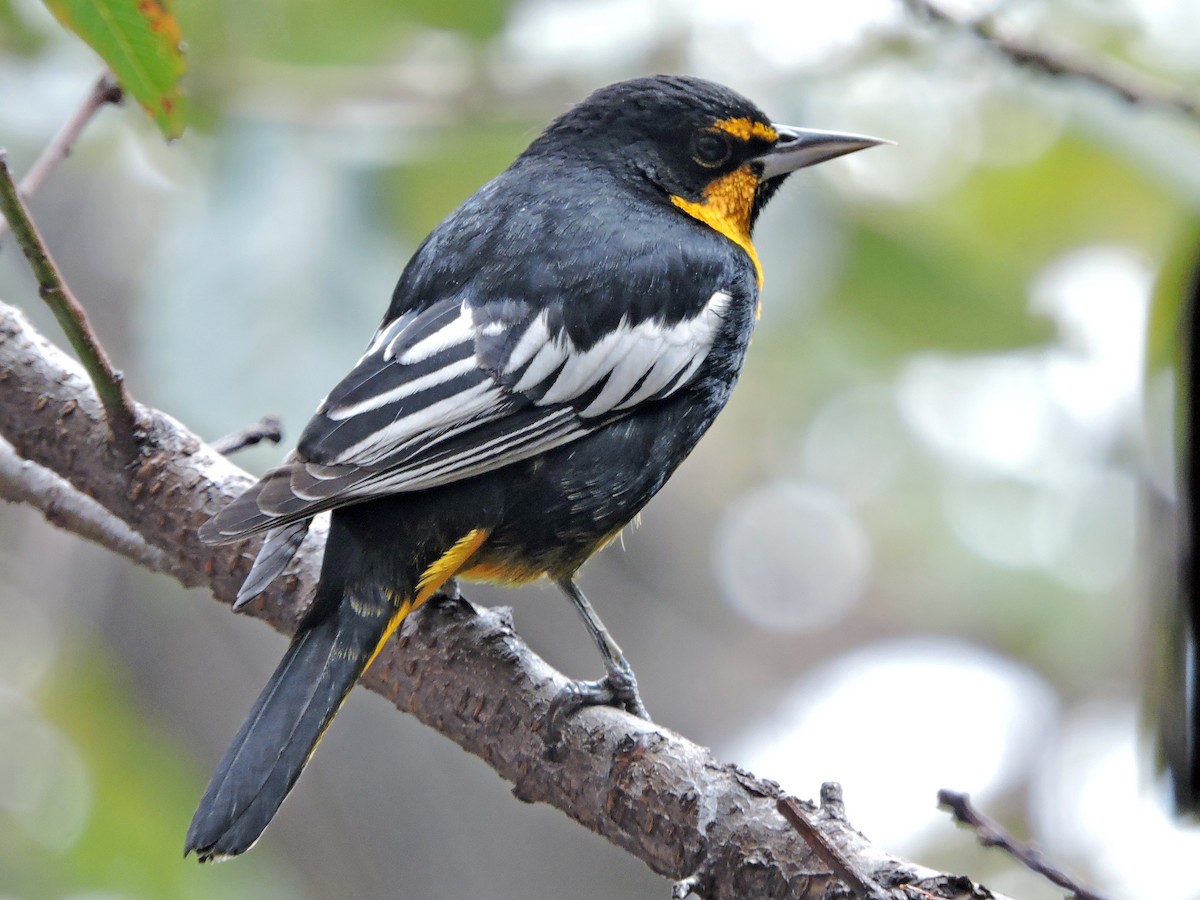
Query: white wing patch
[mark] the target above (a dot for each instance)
(638, 361)
(407, 389)
(536, 336)
(465, 405)
(425, 399)
(545, 434)
(458, 330)
(586, 367)
(548, 358)
(385, 334)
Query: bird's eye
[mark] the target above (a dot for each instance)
(711, 148)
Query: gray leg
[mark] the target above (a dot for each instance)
(617, 688)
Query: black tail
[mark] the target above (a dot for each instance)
(322, 665)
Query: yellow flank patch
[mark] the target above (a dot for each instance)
(448, 564)
(745, 129)
(499, 572)
(726, 206)
(445, 568)
(405, 608)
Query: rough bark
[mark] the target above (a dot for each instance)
(459, 668)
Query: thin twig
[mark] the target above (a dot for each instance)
(1058, 62)
(105, 91)
(110, 384)
(991, 834)
(268, 428)
(790, 809)
(22, 481)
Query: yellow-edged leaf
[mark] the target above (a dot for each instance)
(141, 42)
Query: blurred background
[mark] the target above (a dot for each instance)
(931, 506)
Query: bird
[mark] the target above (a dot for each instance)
(552, 352)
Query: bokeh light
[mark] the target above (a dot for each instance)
(792, 557)
(1092, 802)
(895, 721)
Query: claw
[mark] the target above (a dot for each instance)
(622, 684)
(618, 688)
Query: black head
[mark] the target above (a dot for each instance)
(699, 145)
(667, 129)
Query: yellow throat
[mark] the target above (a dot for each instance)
(725, 206)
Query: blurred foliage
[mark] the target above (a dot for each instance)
(991, 238)
(307, 33)
(1168, 309)
(135, 781)
(16, 35)
(464, 159)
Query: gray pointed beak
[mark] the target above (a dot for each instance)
(801, 147)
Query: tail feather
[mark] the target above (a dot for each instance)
(313, 679)
(280, 546)
(340, 635)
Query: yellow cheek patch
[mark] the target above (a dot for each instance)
(726, 206)
(744, 129)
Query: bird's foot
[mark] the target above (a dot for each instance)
(450, 599)
(618, 688)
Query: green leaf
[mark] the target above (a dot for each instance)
(141, 42)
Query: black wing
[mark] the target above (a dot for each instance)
(460, 388)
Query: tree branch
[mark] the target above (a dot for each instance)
(991, 834)
(22, 481)
(1059, 62)
(268, 428)
(110, 384)
(459, 668)
(831, 803)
